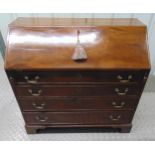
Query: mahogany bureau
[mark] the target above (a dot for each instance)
(77, 72)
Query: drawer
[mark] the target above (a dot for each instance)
(77, 90)
(42, 77)
(83, 117)
(78, 103)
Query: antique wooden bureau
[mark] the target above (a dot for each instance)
(77, 72)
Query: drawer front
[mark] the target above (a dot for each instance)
(34, 77)
(77, 90)
(78, 103)
(84, 117)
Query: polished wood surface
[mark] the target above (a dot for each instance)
(29, 104)
(53, 90)
(77, 90)
(63, 22)
(77, 77)
(108, 46)
(82, 117)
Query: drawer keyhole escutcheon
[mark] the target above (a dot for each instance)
(121, 93)
(35, 94)
(117, 118)
(34, 81)
(120, 78)
(41, 106)
(118, 106)
(41, 118)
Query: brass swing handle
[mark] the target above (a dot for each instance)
(118, 106)
(42, 118)
(41, 106)
(120, 78)
(117, 118)
(35, 94)
(36, 78)
(121, 93)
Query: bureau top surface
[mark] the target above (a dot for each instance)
(50, 22)
(44, 43)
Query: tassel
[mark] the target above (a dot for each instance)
(79, 52)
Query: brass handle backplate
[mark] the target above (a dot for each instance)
(118, 106)
(41, 106)
(35, 94)
(116, 118)
(36, 78)
(120, 78)
(42, 118)
(121, 93)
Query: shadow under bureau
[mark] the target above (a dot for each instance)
(77, 72)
